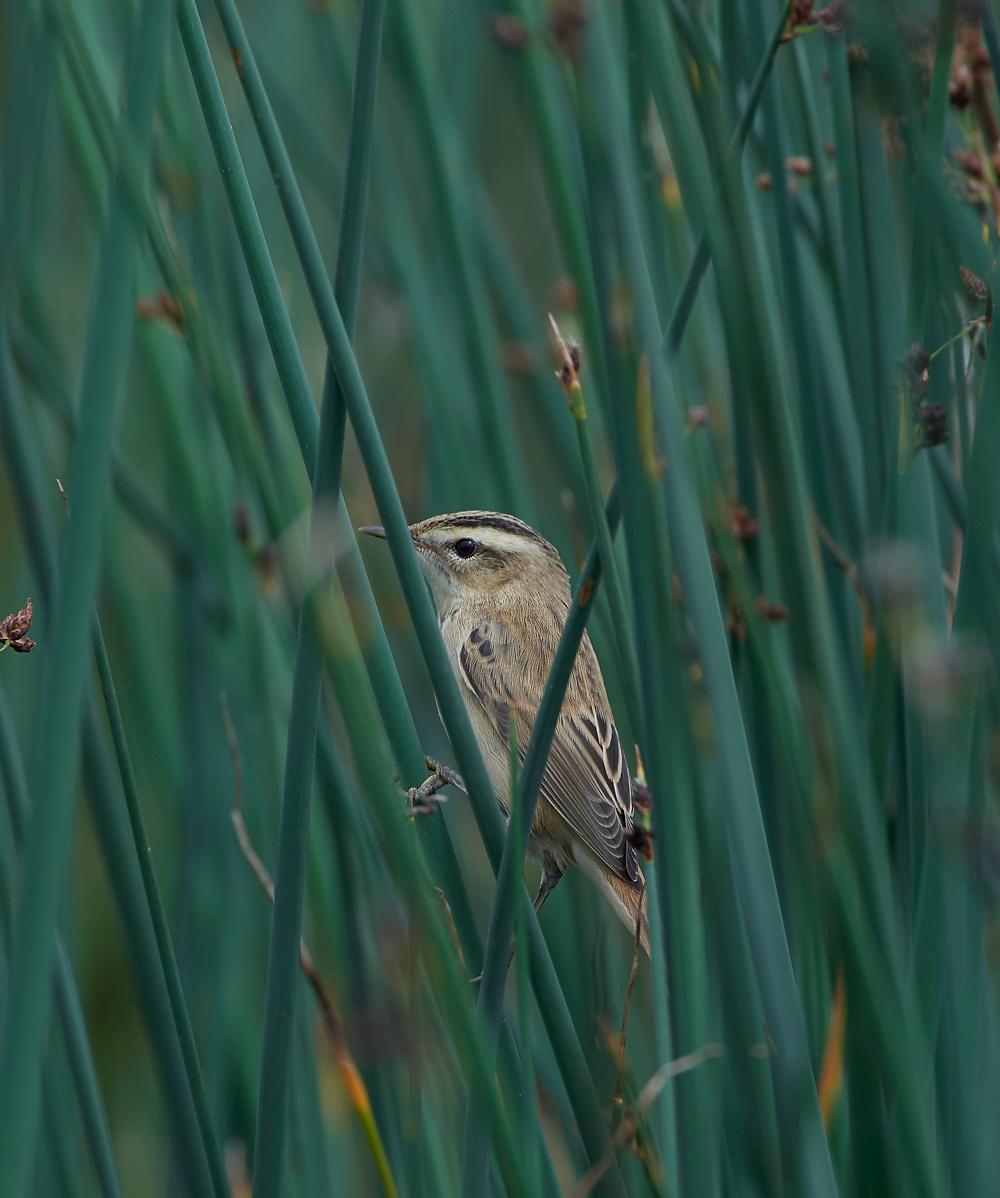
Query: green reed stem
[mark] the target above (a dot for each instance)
(277, 327)
(289, 891)
(289, 895)
(530, 1128)
(81, 1063)
(258, 259)
(35, 360)
(384, 676)
(702, 254)
(20, 448)
(679, 878)
(81, 1059)
(358, 711)
(620, 620)
(158, 915)
(553, 1006)
(202, 333)
(563, 189)
(49, 838)
(20, 445)
(797, 1096)
(754, 341)
(475, 1153)
(442, 147)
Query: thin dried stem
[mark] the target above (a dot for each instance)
(349, 1075)
(628, 997)
(647, 1096)
(849, 569)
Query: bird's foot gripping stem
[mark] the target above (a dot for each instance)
(422, 798)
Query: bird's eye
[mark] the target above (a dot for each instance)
(466, 547)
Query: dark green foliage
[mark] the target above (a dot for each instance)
(772, 230)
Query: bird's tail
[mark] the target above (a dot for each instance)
(635, 901)
(629, 902)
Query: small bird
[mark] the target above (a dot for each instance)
(502, 596)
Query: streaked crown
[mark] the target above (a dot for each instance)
(469, 552)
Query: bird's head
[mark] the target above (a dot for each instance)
(466, 555)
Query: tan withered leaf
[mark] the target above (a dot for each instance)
(973, 284)
(14, 630)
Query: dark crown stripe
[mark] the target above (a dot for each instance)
(497, 520)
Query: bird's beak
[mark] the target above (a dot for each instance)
(376, 530)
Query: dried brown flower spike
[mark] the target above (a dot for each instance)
(509, 33)
(932, 425)
(974, 286)
(567, 22)
(14, 631)
(743, 525)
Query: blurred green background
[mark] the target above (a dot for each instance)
(773, 233)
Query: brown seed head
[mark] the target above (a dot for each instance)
(162, 307)
(932, 425)
(242, 523)
(509, 33)
(567, 21)
(974, 285)
(698, 417)
(744, 527)
(960, 87)
(641, 839)
(857, 54)
(772, 611)
(801, 13)
(14, 630)
(568, 376)
(834, 16)
(970, 162)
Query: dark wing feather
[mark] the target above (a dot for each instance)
(587, 782)
(480, 670)
(586, 779)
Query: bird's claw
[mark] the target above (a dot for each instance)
(422, 798)
(443, 771)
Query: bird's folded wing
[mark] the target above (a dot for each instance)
(586, 778)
